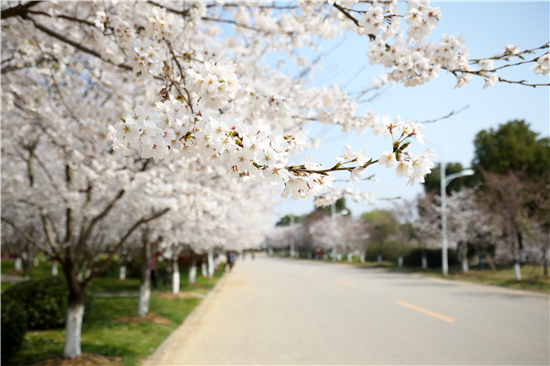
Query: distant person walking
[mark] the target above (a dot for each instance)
(230, 259)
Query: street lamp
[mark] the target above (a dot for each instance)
(444, 183)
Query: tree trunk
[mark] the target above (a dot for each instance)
(145, 286)
(517, 271)
(400, 262)
(54, 268)
(350, 257)
(204, 269)
(175, 276)
(122, 274)
(490, 261)
(338, 257)
(193, 270)
(464, 257)
(75, 311)
(379, 258)
(27, 267)
(362, 257)
(35, 261)
(424, 259)
(210, 263)
(465, 265)
(18, 264)
(73, 329)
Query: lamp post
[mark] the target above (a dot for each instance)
(444, 183)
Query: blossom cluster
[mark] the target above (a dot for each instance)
(406, 165)
(422, 19)
(543, 65)
(213, 83)
(252, 151)
(417, 64)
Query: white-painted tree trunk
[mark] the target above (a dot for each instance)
(35, 261)
(379, 258)
(333, 255)
(338, 257)
(54, 268)
(400, 262)
(18, 266)
(122, 274)
(210, 263)
(465, 265)
(88, 273)
(362, 257)
(350, 257)
(204, 269)
(73, 329)
(144, 296)
(145, 284)
(193, 272)
(175, 277)
(424, 262)
(270, 250)
(517, 271)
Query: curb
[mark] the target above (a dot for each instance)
(185, 329)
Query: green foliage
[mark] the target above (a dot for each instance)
(14, 327)
(103, 334)
(287, 219)
(133, 269)
(46, 301)
(433, 180)
(112, 270)
(389, 252)
(383, 224)
(512, 147)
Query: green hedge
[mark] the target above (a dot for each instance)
(45, 301)
(113, 271)
(414, 258)
(14, 326)
(133, 269)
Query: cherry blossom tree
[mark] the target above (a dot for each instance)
(186, 81)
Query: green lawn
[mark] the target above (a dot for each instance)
(531, 275)
(101, 334)
(44, 268)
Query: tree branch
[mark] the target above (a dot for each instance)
(19, 10)
(75, 45)
(85, 235)
(121, 243)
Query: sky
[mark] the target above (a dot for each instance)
(487, 28)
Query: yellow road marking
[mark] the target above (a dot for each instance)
(345, 283)
(435, 315)
(312, 272)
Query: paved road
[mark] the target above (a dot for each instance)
(277, 311)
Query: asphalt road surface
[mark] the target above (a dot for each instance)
(281, 311)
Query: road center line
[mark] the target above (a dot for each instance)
(345, 283)
(312, 272)
(435, 315)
